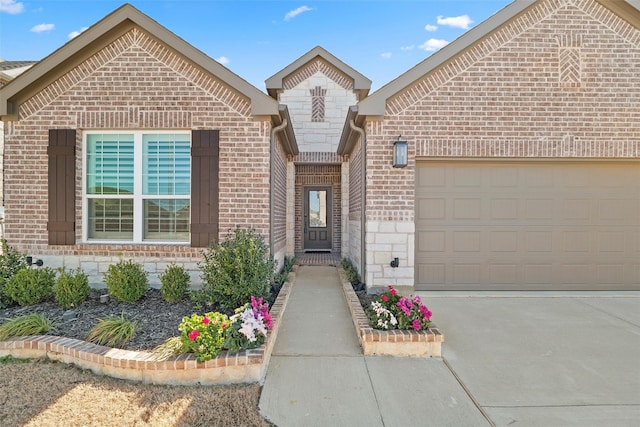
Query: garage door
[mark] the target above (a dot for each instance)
(527, 225)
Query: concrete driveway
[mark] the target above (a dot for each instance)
(544, 359)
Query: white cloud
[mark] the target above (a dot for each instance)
(410, 47)
(462, 21)
(223, 60)
(11, 6)
(430, 27)
(292, 14)
(74, 34)
(433, 44)
(386, 55)
(41, 28)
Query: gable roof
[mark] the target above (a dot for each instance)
(375, 104)
(100, 34)
(361, 84)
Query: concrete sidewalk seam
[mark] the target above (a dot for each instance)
(468, 392)
(373, 389)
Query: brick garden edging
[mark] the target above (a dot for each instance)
(403, 343)
(248, 366)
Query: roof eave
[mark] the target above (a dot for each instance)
(375, 104)
(261, 103)
(289, 138)
(349, 137)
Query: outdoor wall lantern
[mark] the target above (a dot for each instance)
(400, 153)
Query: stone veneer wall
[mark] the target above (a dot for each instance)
(133, 83)
(559, 81)
(316, 134)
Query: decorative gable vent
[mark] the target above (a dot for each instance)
(569, 64)
(317, 104)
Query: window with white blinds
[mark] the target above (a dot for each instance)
(137, 186)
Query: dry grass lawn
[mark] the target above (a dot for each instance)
(43, 393)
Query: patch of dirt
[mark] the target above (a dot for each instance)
(157, 319)
(41, 393)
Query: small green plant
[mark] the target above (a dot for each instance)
(175, 282)
(71, 288)
(30, 324)
(126, 281)
(350, 270)
(287, 267)
(10, 359)
(236, 269)
(203, 335)
(112, 331)
(11, 261)
(30, 285)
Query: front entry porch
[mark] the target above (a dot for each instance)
(318, 258)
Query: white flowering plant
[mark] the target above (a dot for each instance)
(248, 326)
(389, 310)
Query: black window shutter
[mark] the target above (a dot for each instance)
(61, 151)
(204, 187)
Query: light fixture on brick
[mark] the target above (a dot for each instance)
(400, 153)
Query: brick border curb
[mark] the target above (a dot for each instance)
(248, 366)
(403, 343)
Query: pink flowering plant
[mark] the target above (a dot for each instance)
(203, 335)
(249, 326)
(389, 310)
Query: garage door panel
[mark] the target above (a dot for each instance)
(528, 225)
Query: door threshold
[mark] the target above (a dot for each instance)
(317, 251)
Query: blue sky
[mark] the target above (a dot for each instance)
(257, 38)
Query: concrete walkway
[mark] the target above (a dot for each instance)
(318, 375)
(517, 359)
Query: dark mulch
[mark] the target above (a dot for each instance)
(158, 319)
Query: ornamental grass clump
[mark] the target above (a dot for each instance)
(248, 327)
(203, 335)
(30, 324)
(392, 311)
(113, 331)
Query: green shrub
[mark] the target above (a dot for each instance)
(175, 282)
(350, 270)
(31, 324)
(11, 261)
(30, 285)
(236, 269)
(112, 331)
(126, 281)
(71, 288)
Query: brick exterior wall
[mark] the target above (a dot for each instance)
(133, 83)
(354, 252)
(279, 199)
(559, 81)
